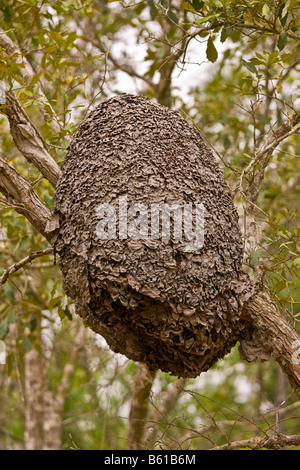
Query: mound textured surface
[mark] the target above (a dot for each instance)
(150, 299)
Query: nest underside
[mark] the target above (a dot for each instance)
(151, 300)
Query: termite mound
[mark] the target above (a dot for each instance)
(151, 299)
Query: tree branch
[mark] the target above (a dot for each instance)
(28, 140)
(139, 407)
(15, 267)
(274, 442)
(24, 200)
(88, 26)
(272, 335)
(261, 158)
(283, 132)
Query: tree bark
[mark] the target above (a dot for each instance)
(21, 196)
(53, 405)
(28, 140)
(139, 407)
(34, 387)
(272, 335)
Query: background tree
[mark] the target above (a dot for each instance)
(61, 386)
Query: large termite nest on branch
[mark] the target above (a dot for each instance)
(157, 299)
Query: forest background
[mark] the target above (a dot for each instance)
(231, 68)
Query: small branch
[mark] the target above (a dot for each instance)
(251, 193)
(126, 68)
(88, 26)
(15, 267)
(251, 27)
(167, 405)
(28, 140)
(274, 442)
(282, 133)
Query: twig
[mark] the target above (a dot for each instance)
(15, 267)
(283, 132)
(274, 442)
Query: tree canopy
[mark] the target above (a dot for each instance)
(231, 68)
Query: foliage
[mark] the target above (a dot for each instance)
(246, 87)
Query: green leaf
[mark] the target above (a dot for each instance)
(53, 291)
(297, 261)
(197, 4)
(206, 18)
(4, 328)
(68, 313)
(54, 302)
(255, 257)
(50, 49)
(226, 33)
(64, 312)
(7, 17)
(27, 344)
(282, 40)
(35, 79)
(273, 58)
(172, 16)
(265, 10)
(187, 6)
(211, 51)
(250, 67)
(285, 9)
(32, 324)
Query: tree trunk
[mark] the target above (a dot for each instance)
(53, 422)
(34, 413)
(53, 425)
(139, 407)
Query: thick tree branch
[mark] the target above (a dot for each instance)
(24, 199)
(272, 335)
(28, 140)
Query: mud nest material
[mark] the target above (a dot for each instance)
(153, 301)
